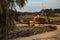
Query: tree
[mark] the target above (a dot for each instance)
(47, 13)
(4, 6)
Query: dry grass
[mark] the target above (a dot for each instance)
(28, 31)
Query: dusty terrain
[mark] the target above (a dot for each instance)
(53, 35)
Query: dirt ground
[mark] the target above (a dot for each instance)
(53, 35)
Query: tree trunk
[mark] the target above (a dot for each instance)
(4, 26)
(48, 18)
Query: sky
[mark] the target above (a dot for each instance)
(37, 5)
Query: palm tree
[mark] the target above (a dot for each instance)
(4, 6)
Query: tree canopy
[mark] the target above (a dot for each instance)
(11, 3)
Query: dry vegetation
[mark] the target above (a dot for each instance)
(28, 31)
(23, 31)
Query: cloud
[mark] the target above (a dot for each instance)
(52, 4)
(36, 5)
